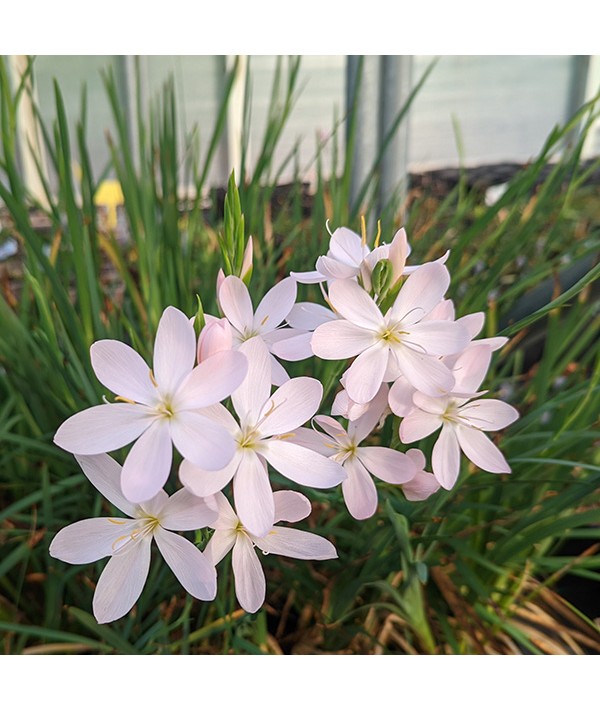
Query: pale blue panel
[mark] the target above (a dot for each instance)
(322, 83)
(505, 106)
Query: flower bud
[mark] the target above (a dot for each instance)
(216, 336)
(382, 275)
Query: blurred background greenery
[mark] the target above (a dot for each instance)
(102, 232)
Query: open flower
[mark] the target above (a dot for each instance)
(401, 339)
(359, 462)
(250, 586)
(128, 541)
(159, 408)
(349, 257)
(463, 420)
(264, 434)
(236, 304)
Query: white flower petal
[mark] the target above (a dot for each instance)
(401, 397)
(332, 427)
(417, 425)
(445, 458)
(355, 305)
(202, 441)
(470, 367)
(296, 544)
(221, 416)
(363, 426)
(306, 316)
(313, 277)
(219, 545)
(333, 269)
(174, 350)
(421, 486)
(418, 458)
(252, 393)
(303, 465)
(103, 428)
(307, 437)
(185, 512)
(148, 464)
(250, 585)
(421, 292)
(296, 348)
(275, 305)
(228, 519)
(473, 323)
(481, 451)
(279, 374)
(291, 506)
(438, 337)
(339, 339)
(359, 490)
(105, 474)
(424, 372)
(236, 303)
(253, 495)
(347, 247)
(90, 540)
(489, 415)
(387, 464)
(203, 482)
(123, 371)
(122, 581)
(211, 381)
(290, 406)
(365, 375)
(191, 567)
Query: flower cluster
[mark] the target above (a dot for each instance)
(225, 402)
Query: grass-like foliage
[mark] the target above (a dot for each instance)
(474, 570)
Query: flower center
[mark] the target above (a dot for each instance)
(248, 438)
(145, 527)
(392, 334)
(165, 408)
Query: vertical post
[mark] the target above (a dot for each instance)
(591, 147)
(131, 80)
(396, 84)
(235, 113)
(29, 139)
(362, 98)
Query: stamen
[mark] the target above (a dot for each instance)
(328, 228)
(153, 379)
(265, 319)
(378, 235)
(124, 399)
(363, 230)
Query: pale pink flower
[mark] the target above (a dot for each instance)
(128, 541)
(263, 435)
(230, 533)
(160, 407)
(401, 392)
(215, 337)
(342, 261)
(423, 484)
(400, 339)
(463, 420)
(359, 462)
(265, 323)
(349, 257)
